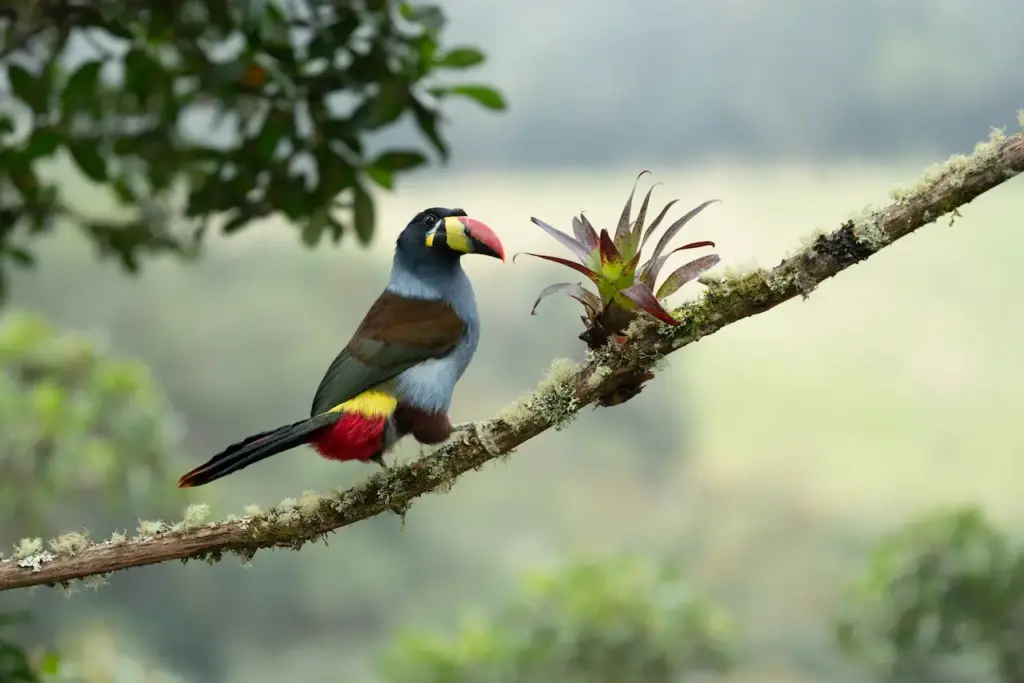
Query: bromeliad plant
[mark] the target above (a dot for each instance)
(624, 286)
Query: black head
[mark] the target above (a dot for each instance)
(444, 235)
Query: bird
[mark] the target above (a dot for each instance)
(396, 375)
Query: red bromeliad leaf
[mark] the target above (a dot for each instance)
(609, 254)
(573, 289)
(677, 226)
(579, 268)
(657, 221)
(652, 268)
(638, 225)
(573, 245)
(644, 298)
(622, 236)
(685, 273)
(584, 232)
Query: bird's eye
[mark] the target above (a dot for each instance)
(430, 219)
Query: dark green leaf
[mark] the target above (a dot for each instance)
(43, 143)
(461, 58)
(481, 94)
(336, 174)
(275, 127)
(24, 87)
(289, 195)
(314, 228)
(141, 74)
(384, 108)
(430, 17)
(399, 160)
(333, 37)
(381, 176)
(6, 124)
(81, 87)
(88, 159)
(124, 191)
(19, 255)
(363, 214)
(236, 222)
(426, 121)
(117, 28)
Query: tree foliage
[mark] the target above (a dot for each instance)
(73, 421)
(198, 110)
(624, 620)
(18, 666)
(943, 599)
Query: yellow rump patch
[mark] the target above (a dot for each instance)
(370, 403)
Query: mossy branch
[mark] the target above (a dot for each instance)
(567, 390)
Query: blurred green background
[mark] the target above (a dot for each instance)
(709, 529)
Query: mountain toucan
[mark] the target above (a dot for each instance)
(397, 373)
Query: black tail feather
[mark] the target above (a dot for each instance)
(257, 447)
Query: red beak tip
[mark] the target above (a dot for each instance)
(485, 234)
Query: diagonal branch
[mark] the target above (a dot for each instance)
(557, 400)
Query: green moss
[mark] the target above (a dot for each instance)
(27, 547)
(309, 505)
(196, 515)
(554, 400)
(95, 581)
(866, 223)
(70, 544)
(149, 528)
(598, 375)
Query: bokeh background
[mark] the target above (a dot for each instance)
(764, 463)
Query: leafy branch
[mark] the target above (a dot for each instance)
(567, 390)
(209, 112)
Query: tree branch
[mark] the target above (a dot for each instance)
(566, 391)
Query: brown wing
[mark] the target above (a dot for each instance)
(396, 333)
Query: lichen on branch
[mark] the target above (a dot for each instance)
(567, 390)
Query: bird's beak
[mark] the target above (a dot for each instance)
(467, 236)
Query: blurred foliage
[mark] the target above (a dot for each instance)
(291, 94)
(73, 421)
(622, 620)
(943, 599)
(17, 666)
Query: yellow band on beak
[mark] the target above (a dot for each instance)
(453, 235)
